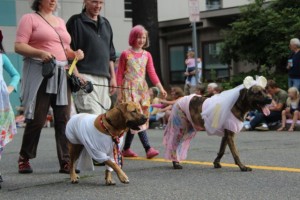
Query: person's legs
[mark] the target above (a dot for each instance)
(127, 152)
(150, 151)
(61, 117)
(258, 118)
(290, 82)
(90, 103)
(295, 118)
(283, 121)
(273, 117)
(296, 83)
(144, 140)
(33, 129)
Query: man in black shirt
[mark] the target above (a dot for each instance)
(294, 64)
(93, 34)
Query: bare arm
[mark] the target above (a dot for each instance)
(29, 51)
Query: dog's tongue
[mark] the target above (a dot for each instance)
(266, 110)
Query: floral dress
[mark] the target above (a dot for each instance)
(7, 118)
(134, 80)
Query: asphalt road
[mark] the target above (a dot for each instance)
(274, 157)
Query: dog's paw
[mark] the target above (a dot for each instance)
(110, 182)
(123, 178)
(246, 169)
(75, 179)
(217, 165)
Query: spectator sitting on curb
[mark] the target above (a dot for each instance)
(211, 89)
(176, 93)
(279, 97)
(292, 109)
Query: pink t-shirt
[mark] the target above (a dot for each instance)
(36, 32)
(149, 68)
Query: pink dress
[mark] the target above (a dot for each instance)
(180, 130)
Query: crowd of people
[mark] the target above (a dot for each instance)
(41, 36)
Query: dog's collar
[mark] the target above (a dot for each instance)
(115, 138)
(102, 124)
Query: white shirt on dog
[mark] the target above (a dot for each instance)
(99, 146)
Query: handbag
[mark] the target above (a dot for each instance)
(48, 68)
(75, 84)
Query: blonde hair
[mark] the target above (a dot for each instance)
(191, 54)
(289, 100)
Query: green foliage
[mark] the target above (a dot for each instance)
(262, 34)
(279, 78)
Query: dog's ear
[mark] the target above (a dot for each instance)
(131, 106)
(243, 93)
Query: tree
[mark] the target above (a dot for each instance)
(262, 33)
(144, 12)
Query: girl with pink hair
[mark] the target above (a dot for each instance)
(134, 63)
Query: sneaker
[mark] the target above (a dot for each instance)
(263, 127)
(152, 153)
(66, 169)
(247, 127)
(24, 166)
(129, 153)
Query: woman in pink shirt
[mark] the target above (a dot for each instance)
(134, 63)
(38, 40)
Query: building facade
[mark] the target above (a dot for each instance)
(175, 31)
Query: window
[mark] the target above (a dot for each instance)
(128, 9)
(177, 64)
(213, 4)
(213, 68)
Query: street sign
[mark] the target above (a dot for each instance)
(194, 10)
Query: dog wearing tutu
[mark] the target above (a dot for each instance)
(221, 114)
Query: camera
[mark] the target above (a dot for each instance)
(76, 84)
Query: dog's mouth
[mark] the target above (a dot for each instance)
(263, 106)
(134, 125)
(265, 110)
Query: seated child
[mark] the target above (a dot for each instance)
(292, 109)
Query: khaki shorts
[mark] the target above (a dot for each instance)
(88, 103)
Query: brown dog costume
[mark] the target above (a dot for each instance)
(95, 136)
(201, 112)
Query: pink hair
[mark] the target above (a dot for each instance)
(135, 32)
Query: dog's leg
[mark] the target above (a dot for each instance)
(121, 175)
(234, 152)
(108, 178)
(74, 150)
(223, 146)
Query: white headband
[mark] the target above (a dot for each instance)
(260, 81)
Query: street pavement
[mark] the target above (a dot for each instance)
(274, 157)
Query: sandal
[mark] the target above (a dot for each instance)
(291, 129)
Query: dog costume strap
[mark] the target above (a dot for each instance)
(116, 139)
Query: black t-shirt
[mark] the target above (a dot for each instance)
(294, 71)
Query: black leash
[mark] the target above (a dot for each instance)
(118, 87)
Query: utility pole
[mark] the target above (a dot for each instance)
(194, 18)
